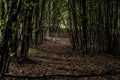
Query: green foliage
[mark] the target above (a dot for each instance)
(12, 54)
(2, 23)
(31, 51)
(29, 5)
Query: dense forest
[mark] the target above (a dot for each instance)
(75, 31)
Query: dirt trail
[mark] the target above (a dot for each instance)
(52, 58)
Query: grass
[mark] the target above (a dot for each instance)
(31, 51)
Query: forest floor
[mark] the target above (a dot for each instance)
(54, 58)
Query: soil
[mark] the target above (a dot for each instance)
(55, 58)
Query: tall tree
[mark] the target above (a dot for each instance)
(12, 17)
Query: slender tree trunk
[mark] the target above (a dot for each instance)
(7, 36)
(84, 22)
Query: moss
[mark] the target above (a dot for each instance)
(31, 50)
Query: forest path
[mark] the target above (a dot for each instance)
(52, 58)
